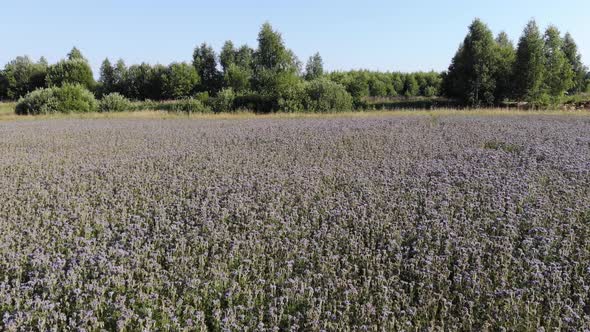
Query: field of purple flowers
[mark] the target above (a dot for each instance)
(372, 224)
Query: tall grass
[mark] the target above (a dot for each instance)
(162, 110)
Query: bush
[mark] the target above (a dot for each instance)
(114, 102)
(41, 101)
(65, 99)
(189, 105)
(76, 99)
(224, 102)
(323, 95)
(202, 96)
(291, 99)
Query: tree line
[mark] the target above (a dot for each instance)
(485, 71)
(541, 70)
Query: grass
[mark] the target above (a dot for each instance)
(6, 109)
(7, 114)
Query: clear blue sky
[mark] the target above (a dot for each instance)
(382, 35)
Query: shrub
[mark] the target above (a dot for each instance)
(189, 105)
(114, 102)
(202, 96)
(75, 98)
(291, 99)
(224, 102)
(66, 99)
(323, 95)
(41, 101)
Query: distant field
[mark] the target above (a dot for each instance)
(371, 223)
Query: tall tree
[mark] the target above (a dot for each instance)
(227, 55)
(120, 77)
(205, 62)
(74, 70)
(529, 67)
(411, 86)
(237, 66)
(559, 73)
(244, 56)
(138, 81)
(575, 60)
(314, 68)
(76, 54)
(107, 77)
(505, 57)
(274, 68)
(471, 76)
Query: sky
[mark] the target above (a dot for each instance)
(371, 34)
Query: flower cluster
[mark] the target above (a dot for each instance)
(367, 224)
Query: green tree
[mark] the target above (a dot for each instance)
(356, 83)
(21, 76)
(120, 78)
(314, 68)
(529, 66)
(138, 80)
(274, 68)
(377, 88)
(559, 73)
(237, 66)
(180, 80)
(205, 62)
(505, 57)
(3, 86)
(238, 78)
(227, 55)
(107, 78)
(74, 71)
(397, 85)
(471, 75)
(75, 54)
(244, 56)
(411, 87)
(155, 86)
(575, 60)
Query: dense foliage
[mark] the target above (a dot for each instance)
(398, 223)
(67, 98)
(472, 73)
(21, 76)
(114, 102)
(74, 70)
(485, 71)
(323, 95)
(540, 71)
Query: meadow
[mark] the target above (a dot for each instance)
(406, 221)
